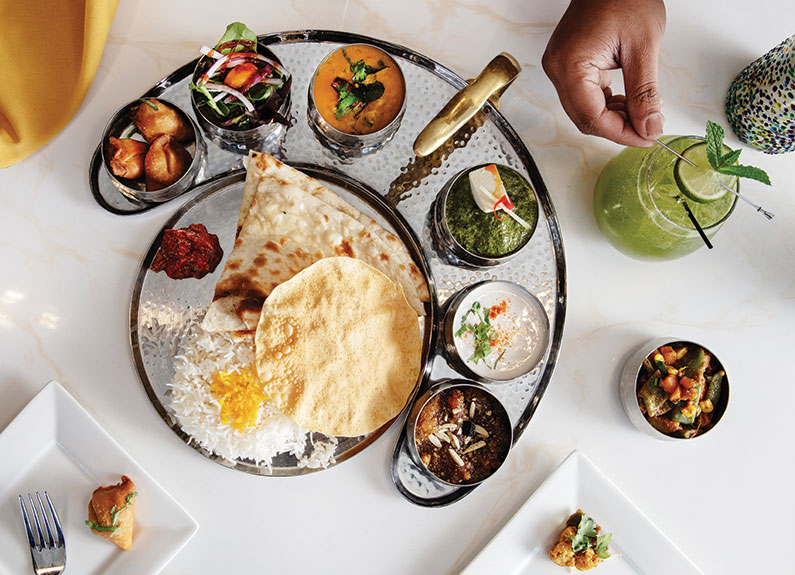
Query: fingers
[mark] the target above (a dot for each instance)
(644, 103)
(594, 109)
(593, 37)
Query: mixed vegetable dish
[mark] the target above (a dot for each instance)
(679, 389)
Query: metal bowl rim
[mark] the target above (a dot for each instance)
(384, 133)
(451, 308)
(645, 349)
(468, 256)
(153, 196)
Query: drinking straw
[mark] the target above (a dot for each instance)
(693, 219)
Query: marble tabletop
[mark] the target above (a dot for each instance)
(724, 500)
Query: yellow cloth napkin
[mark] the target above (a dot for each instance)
(49, 53)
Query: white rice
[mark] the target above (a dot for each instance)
(204, 353)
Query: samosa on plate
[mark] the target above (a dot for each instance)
(111, 512)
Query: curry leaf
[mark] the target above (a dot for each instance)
(371, 92)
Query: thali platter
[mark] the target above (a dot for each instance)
(405, 188)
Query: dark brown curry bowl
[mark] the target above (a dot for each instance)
(458, 432)
(456, 253)
(344, 143)
(121, 126)
(262, 138)
(630, 383)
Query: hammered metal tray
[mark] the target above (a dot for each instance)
(409, 185)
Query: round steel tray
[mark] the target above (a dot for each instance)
(409, 185)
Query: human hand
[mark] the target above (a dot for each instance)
(594, 37)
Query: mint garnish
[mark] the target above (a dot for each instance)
(725, 163)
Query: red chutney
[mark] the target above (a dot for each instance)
(190, 252)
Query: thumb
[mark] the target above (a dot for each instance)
(644, 103)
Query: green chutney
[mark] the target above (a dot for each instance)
(482, 233)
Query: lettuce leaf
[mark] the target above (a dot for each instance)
(238, 31)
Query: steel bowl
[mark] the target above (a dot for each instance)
(342, 143)
(535, 322)
(628, 389)
(120, 125)
(262, 138)
(422, 401)
(446, 243)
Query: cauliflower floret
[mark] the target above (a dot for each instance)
(562, 553)
(585, 560)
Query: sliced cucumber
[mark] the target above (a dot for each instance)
(700, 183)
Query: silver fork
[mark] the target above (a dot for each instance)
(49, 556)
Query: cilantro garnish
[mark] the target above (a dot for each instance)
(354, 96)
(360, 69)
(149, 103)
(114, 516)
(499, 357)
(725, 163)
(483, 332)
(103, 528)
(587, 536)
(602, 543)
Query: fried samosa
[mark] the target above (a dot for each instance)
(126, 157)
(165, 162)
(111, 512)
(154, 118)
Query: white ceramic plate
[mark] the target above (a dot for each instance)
(637, 546)
(54, 445)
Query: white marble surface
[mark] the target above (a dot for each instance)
(725, 500)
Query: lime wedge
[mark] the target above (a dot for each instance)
(700, 183)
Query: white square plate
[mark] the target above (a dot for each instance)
(54, 445)
(520, 548)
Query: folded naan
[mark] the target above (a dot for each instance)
(287, 222)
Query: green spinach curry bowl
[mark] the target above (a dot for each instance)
(672, 389)
(473, 237)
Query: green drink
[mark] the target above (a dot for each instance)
(639, 196)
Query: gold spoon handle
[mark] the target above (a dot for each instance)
(495, 77)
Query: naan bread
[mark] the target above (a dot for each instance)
(288, 221)
(338, 348)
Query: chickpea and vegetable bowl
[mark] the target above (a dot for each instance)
(682, 389)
